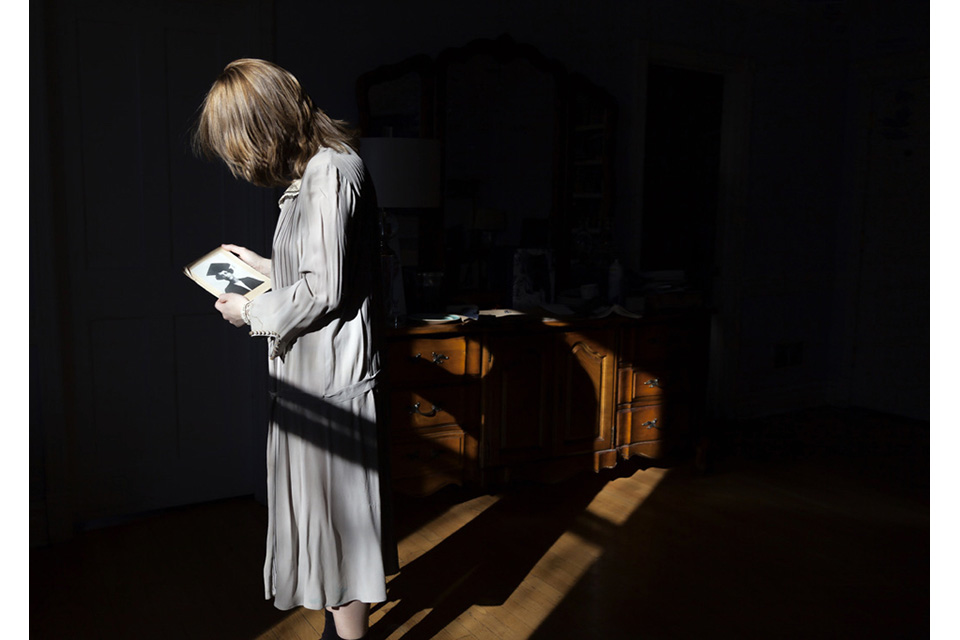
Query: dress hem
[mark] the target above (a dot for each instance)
(314, 607)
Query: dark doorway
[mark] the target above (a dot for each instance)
(681, 171)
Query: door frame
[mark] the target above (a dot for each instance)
(726, 287)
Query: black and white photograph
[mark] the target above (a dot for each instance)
(222, 272)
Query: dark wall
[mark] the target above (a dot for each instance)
(139, 397)
(799, 285)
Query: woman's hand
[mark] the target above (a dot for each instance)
(230, 306)
(253, 259)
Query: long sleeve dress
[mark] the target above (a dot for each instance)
(325, 542)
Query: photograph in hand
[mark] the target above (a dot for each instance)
(220, 272)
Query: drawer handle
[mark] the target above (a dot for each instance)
(651, 424)
(415, 409)
(438, 358)
(655, 382)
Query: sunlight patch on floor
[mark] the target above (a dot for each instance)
(554, 575)
(299, 624)
(432, 533)
(572, 555)
(402, 630)
(620, 498)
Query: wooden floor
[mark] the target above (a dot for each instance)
(814, 525)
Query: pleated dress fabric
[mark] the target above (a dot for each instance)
(325, 541)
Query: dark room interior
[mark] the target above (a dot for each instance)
(703, 411)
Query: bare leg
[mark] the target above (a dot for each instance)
(352, 619)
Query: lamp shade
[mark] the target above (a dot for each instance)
(405, 171)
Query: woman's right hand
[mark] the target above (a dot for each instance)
(252, 258)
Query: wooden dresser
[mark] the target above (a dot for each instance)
(482, 402)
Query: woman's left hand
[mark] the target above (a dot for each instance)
(230, 306)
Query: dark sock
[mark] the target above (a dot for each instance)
(329, 627)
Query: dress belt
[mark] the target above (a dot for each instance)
(346, 393)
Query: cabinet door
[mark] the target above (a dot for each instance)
(583, 419)
(517, 396)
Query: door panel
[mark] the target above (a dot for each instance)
(517, 398)
(167, 403)
(111, 155)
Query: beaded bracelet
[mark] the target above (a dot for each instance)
(245, 312)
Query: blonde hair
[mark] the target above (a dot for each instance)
(258, 120)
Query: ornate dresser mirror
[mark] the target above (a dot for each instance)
(527, 165)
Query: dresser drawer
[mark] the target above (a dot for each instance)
(651, 430)
(639, 424)
(437, 451)
(433, 407)
(427, 360)
(649, 384)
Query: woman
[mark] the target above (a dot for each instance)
(323, 487)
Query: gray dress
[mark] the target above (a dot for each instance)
(324, 540)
